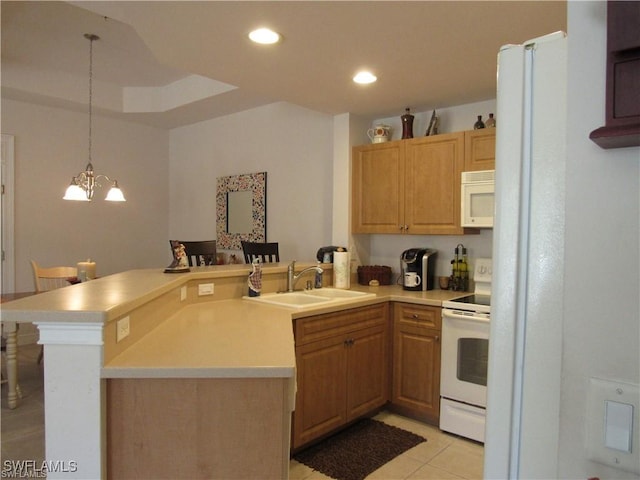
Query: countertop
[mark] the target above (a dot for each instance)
(216, 339)
(227, 338)
(237, 338)
(109, 297)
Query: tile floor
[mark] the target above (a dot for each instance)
(442, 456)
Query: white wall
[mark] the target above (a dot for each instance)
(292, 144)
(601, 311)
(51, 145)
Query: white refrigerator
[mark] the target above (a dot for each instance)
(523, 394)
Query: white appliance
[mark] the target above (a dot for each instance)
(464, 357)
(523, 391)
(477, 198)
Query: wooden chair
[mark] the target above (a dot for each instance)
(50, 278)
(3, 350)
(201, 253)
(267, 252)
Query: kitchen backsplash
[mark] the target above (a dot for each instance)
(386, 249)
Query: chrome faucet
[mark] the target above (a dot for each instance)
(292, 278)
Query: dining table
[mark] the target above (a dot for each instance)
(10, 332)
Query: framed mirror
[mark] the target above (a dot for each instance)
(241, 210)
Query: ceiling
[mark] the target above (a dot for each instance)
(173, 63)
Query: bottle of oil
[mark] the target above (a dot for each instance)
(464, 270)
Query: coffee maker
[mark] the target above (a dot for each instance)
(417, 268)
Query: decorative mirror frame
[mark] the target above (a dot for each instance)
(255, 182)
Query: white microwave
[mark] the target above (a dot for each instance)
(478, 199)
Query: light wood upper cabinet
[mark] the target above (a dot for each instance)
(409, 186)
(378, 188)
(433, 166)
(480, 149)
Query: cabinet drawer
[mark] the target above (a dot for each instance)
(327, 325)
(418, 315)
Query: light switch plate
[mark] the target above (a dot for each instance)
(618, 425)
(612, 419)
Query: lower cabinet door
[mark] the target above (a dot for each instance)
(416, 379)
(367, 367)
(320, 398)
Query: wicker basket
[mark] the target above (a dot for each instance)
(381, 273)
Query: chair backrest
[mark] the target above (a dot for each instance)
(267, 252)
(50, 278)
(201, 253)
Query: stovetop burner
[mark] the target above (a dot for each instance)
(474, 299)
(470, 303)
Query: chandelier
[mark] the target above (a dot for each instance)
(82, 186)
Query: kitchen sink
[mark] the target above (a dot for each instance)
(311, 298)
(339, 293)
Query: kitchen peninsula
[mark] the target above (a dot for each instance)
(208, 379)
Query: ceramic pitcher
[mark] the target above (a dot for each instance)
(379, 133)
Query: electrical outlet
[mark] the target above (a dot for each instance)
(183, 293)
(122, 328)
(205, 289)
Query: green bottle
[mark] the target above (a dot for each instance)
(464, 270)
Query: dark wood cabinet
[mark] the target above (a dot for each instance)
(622, 127)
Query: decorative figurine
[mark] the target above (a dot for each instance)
(180, 263)
(432, 129)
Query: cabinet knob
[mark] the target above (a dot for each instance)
(406, 227)
(401, 227)
(348, 342)
(437, 338)
(416, 316)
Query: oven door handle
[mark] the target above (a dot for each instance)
(467, 316)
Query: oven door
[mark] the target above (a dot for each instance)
(465, 349)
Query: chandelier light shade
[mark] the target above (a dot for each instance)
(82, 186)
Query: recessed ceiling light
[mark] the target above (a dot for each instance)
(365, 77)
(264, 36)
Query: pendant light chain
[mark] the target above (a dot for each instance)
(91, 38)
(90, 92)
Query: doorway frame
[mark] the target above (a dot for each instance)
(7, 206)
